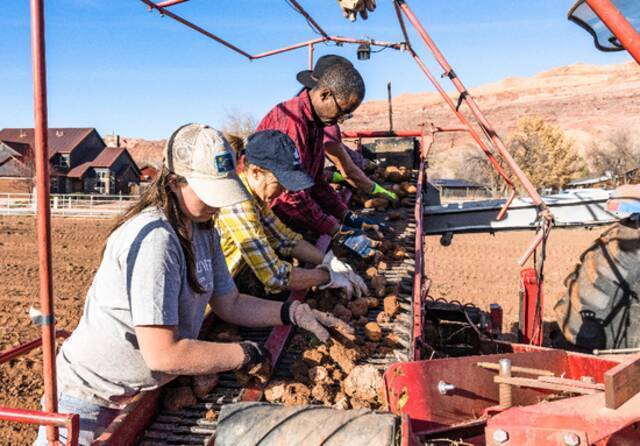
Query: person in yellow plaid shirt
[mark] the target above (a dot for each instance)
(252, 236)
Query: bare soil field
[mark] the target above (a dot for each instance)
(77, 245)
(482, 268)
(476, 268)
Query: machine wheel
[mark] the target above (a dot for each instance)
(263, 424)
(601, 307)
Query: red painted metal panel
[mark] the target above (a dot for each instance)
(530, 318)
(412, 387)
(133, 420)
(550, 423)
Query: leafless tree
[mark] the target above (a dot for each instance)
(615, 156)
(239, 123)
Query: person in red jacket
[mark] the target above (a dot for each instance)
(337, 94)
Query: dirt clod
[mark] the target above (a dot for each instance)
(296, 394)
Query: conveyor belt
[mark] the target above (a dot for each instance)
(190, 426)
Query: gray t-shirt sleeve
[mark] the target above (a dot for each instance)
(224, 283)
(154, 277)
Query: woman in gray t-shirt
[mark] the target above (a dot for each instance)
(162, 264)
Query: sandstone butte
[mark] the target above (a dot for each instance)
(586, 101)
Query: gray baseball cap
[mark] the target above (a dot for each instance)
(203, 156)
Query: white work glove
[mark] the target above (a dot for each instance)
(337, 280)
(314, 321)
(337, 265)
(350, 8)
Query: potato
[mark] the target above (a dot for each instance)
(341, 312)
(377, 202)
(177, 398)
(409, 188)
(391, 306)
(373, 332)
(359, 307)
(393, 174)
(378, 281)
(202, 385)
(394, 215)
(399, 253)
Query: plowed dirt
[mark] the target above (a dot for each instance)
(476, 268)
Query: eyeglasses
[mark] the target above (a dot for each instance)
(343, 114)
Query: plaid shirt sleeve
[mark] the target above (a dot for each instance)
(242, 223)
(284, 238)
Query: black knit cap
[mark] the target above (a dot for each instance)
(310, 78)
(276, 151)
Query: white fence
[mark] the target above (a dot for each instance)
(71, 205)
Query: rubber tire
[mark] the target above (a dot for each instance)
(264, 424)
(601, 308)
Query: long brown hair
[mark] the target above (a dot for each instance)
(160, 195)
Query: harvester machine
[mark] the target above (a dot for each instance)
(451, 378)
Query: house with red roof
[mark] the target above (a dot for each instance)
(79, 161)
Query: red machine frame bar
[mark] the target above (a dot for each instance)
(619, 26)
(54, 420)
(22, 349)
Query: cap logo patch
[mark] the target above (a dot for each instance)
(296, 158)
(224, 162)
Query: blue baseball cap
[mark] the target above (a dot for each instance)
(276, 152)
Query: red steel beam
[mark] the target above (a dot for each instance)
(43, 223)
(306, 15)
(475, 110)
(70, 421)
(195, 27)
(171, 3)
(619, 26)
(20, 350)
(418, 276)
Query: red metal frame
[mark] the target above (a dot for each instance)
(530, 318)
(491, 139)
(413, 393)
(71, 422)
(49, 417)
(604, 8)
(22, 349)
(619, 26)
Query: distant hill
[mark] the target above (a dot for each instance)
(584, 100)
(587, 101)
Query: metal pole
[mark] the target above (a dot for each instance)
(390, 106)
(311, 56)
(618, 25)
(43, 215)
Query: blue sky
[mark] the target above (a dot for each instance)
(114, 66)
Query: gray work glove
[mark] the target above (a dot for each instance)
(351, 8)
(358, 286)
(314, 321)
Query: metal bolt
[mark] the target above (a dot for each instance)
(504, 390)
(500, 436)
(571, 439)
(588, 379)
(445, 387)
